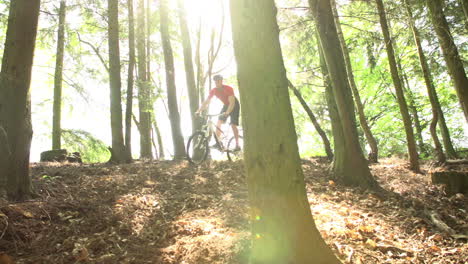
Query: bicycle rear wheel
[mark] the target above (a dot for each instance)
(234, 154)
(197, 148)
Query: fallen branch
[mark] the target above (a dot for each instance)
(439, 223)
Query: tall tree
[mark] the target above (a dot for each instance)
(15, 102)
(282, 227)
(464, 5)
(350, 166)
(119, 153)
(57, 108)
(411, 143)
(177, 139)
(337, 129)
(450, 51)
(130, 78)
(144, 94)
(435, 105)
(374, 154)
(189, 71)
(413, 110)
(313, 119)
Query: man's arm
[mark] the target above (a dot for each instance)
(232, 103)
(204, 105)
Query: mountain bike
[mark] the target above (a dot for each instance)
(198, 146)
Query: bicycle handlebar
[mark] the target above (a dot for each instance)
(207, 115)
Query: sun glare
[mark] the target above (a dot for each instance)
(209, 11)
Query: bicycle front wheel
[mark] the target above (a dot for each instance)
(235, 153)
(197, 148)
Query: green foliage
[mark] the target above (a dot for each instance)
(361, 29)
(92, 149)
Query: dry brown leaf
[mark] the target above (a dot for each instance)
(371, 244)
(434, 249)
(5, 259)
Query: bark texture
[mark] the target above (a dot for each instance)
(58, 76)
(374, 153)
(144, 93)
(189, 71)
(130, 78)
(15, 103)
(350, 166)
(411, 143)
(282, 226)
(450, 51)
(177, 138)
(119, 153)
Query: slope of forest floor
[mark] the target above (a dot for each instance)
(171, 212)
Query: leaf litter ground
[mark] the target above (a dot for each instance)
(171, 212)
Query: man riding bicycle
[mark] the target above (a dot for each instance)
(230, 109)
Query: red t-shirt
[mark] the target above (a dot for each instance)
(223, 94)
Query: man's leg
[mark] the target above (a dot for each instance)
(235, 122)
(235, 130)
(218, 130)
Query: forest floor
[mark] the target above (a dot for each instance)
(171, 212)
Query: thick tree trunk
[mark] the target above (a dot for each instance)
(144, 94)
(189, 71)
(119, 154)
(5, 161)
(57, 108)
(429, 85)
(177, 139)
(130, 79)
(15, 103)
(283, 230)
(351, 168)
(313, 119)
(450, 51)
(412, 152)
(374, 153)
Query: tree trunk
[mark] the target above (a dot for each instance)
(15, 103)
(158, 136)
(429, 86)
(189, 71)
(412, 152)
(130, 79)
(200, 84)
(464, 5)
(144, 94)
(374, 154)
(313, 119)
(444, 131)
(283, 230)
(413, 108)
(450, 51)
(351, 168)
(177, 139)
(337, 129)
(57, 112)
(5, 161)
(119, 154)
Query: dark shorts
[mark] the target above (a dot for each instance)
(234, 114)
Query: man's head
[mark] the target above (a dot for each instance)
(218, 79)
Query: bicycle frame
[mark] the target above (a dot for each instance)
(209, 129)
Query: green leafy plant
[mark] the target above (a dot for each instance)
(92, 149)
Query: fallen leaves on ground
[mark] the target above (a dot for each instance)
(172, 212)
